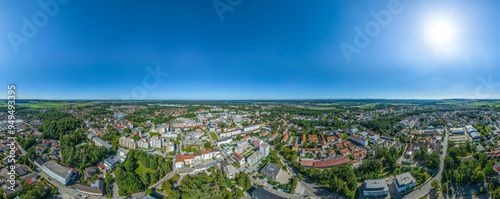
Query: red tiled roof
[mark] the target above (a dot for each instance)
(274, 135)
(355, 137)
(307, 163)
(237, 156)
(330, 163)
(284, 137)
(344, 150)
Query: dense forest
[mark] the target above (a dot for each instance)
(82, 156)
(216, 187)
(139, 171)
(57, 123)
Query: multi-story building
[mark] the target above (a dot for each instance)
(169, 147)
(254, 158)
(264, 148)
(182, 160)
(230, 171)
(100, 142)
(404, 181)
(251, 128)
(375, 188)
(237, 157)
(58, 172)
(271, 170)
(374, 139)
(144, 143)
(157, 142)
(359, 140)
(128, 142)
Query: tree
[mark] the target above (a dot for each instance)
(94, 177)
(215, 191)
(434, 160)
(448, 162)
(174, 194)
(239, 193)
(435, 184)
(108, 179)
(445, 187)
(207, 145)
(479, 177)
(148, 192)
(489, 170)
(122, 191)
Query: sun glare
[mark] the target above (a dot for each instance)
(441, 33)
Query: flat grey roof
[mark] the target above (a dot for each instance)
(58, 169)
(255, 155)
(231, 169)
(102, 142)
(272, 169)
(376, 185)
(404, 179)
(261, 193)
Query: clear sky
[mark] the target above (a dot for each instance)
(418, 49)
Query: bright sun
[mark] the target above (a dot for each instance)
(441, 33)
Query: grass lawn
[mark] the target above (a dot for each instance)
(142, 169)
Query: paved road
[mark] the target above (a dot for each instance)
(427, 187)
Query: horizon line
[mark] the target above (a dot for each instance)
(269, 99)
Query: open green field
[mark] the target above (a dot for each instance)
(56, 105)
(142, 169)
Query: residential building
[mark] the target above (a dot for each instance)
(359, 140)
(169, 147)
(128, 143)
(374, 139)
(264, 148)
(251, 128)
(237, 157)
(109, 163)
(254, 158)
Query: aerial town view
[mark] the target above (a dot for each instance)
(236, 99)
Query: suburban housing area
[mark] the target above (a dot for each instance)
(253, 150)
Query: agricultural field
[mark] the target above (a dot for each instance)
(55, 104)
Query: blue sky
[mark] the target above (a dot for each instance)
(260, 50)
